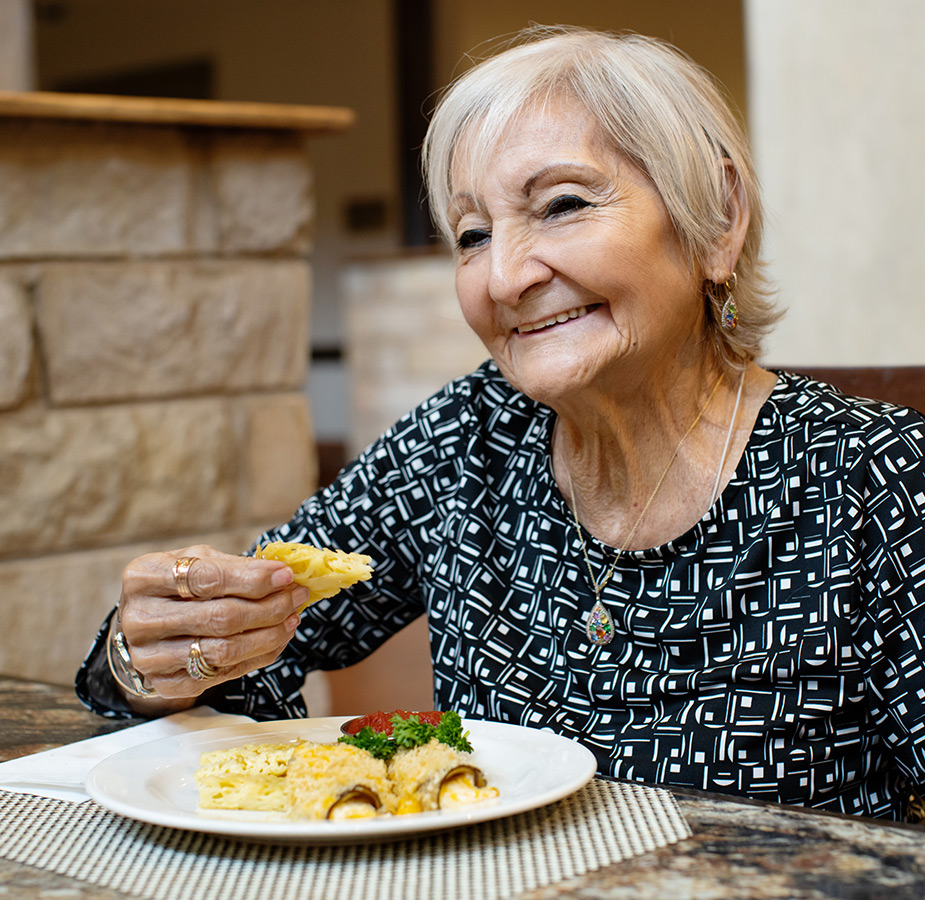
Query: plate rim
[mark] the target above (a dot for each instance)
(284, 830)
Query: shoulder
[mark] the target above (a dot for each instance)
(483, 398)
(473, 416)
(823, 413)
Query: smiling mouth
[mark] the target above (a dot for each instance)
(558, 319)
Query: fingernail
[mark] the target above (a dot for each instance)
(281, 577)
(293, 622)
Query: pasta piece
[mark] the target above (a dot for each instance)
(248, 777)
(324, 572)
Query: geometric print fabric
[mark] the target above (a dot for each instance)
(773, 650)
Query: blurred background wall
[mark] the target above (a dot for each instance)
(831, 91)
(382, 58)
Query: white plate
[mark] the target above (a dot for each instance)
(154, 782)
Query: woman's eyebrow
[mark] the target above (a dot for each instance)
(556, 171)
(460, 203)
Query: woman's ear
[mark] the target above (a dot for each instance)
(721, 262)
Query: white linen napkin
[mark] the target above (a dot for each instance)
(60, 773)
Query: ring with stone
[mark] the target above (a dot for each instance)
(196, 665)
(181, 575)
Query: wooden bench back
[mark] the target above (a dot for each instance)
(903, 385)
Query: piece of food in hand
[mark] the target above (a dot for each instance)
(249, 777)
(324, 572)
(337, 781)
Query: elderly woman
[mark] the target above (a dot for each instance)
(620, 528)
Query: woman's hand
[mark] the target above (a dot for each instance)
(243, 614)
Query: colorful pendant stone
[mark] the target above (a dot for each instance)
(730, 315)
(599, 625)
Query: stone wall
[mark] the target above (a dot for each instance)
(406, 336)
(154, 299)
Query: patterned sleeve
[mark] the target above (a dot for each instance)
(891, 628)
(362, 512)
(383, 504)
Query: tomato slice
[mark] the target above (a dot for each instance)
(382, 721)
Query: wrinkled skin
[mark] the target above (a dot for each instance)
(245, 624)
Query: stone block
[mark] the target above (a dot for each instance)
(407, 338)
(262, 193)
(15, 343)
(81, 189)
(53, 606)
(139, 330)
(104, 475)
(282, 461)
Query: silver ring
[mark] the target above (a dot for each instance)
(196, 665)
(181, 575)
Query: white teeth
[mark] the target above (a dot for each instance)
(554, 320)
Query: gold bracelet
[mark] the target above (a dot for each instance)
(125, 674)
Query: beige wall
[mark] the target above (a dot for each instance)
(711, 31)
(281, 51)
(154, 301)
(837, 103)
(339, 53)
(16, 58)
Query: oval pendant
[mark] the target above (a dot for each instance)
(730, 315)
(599, 625)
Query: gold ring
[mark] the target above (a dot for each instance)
(181, 575)
(196, 665)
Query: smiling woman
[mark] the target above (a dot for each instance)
(571, 273)
(621, 528)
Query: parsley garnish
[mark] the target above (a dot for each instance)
(411, 732)
(374, 742)
(450, 732)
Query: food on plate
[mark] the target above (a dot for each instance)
(248, 777)
(324, 572)
(435, 776)
(382, 721)
(336, 781)
(429, 763)
(415, 767)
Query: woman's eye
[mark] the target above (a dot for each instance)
(472, 238)
(568, 203)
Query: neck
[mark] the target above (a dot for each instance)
(643, 470)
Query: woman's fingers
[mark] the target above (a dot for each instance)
(158, 617)
(243, 613)
(210, 574)
(166, 663)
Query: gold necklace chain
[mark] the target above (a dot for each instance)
(599, 625)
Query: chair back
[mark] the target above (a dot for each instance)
(903, 385)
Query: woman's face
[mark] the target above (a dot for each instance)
(568, 267)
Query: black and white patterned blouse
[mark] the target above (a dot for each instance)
(774, 650)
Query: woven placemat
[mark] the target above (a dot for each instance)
(601, 824)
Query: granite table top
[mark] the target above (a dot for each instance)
(738, 848)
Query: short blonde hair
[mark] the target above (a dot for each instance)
(657, 107)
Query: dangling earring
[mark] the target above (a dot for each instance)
(729, 317)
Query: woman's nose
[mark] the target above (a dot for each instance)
(515, 267)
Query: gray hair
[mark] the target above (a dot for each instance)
(657, 107)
